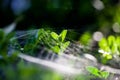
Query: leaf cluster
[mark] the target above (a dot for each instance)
(96, 72)
(53, 41)
(110, 46)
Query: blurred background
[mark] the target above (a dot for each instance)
(87, 22)
(81, 15)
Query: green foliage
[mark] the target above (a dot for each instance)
(61, 45)
(109, 47)
(45, 38)
(4, 43)
(54, 35)
(53, 41)
(96, 72)
(31, 45)
(85, 38)
(33, 42)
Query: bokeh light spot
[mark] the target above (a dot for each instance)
(116, 27)
(97, 4)
(97, 36)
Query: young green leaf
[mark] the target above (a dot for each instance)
(93, 70)
(118, 43)
(96, 72)
(111, 40)
(54, 35)
(103, 43)
(56, 49)
(66, 44)
(63, 34)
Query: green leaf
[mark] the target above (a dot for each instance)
(103, 43)
(56, 49)
(118, 43)
(85, 38)
(107, 49)
(66, 44)
(28, 47)
(109, 56)
(54, 35)
(63, 34)
(111, 40)
(104, 74)
(93, 70)
(114, 48)
(118, 40)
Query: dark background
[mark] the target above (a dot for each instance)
(80, 15)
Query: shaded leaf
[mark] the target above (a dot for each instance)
(1, 35)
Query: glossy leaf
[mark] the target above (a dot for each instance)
(56, 49)
(66, 44)
(54, 35)
(63, 34)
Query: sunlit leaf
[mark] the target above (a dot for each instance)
(54, 35)
(111, 40)
(66, 44)
(118, 40)
(118, 43)
(114, 48)
(103, 43)
(109, 56)
(85, 38)
(93, 70)
(63, 34)
(106, 49)
(56, 49)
